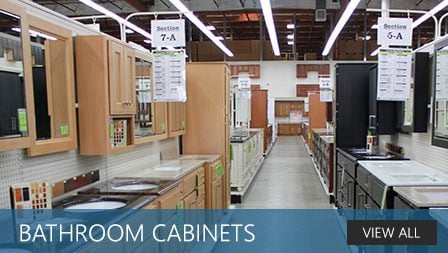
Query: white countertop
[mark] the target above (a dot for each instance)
(405, 173)
(424, 196)
(170, 169)
(205, 158)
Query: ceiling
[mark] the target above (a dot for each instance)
(241, 19)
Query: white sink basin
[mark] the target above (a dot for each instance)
(98, 205)
(168, 168)
(134, 187)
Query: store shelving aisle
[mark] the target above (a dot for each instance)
(287, 180)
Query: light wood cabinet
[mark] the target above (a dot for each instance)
(177, 118)
(151, 116)
(121, 78)
(16, 130)
(217, 189)
(54, 89)
(208, 115)
(106, 95)
(214, 173)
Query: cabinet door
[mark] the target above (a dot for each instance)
(129, 95)
(117, 91)
(191, 201)
(217, 194)
(159, 118)
(177, 116)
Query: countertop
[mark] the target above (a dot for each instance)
(424, 196)
(164, 171)
(323, 131)
(405, 173)
(328, 138)
(205, 158)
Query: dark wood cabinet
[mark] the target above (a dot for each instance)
(289, 129)
(259, 113)
(253, 70)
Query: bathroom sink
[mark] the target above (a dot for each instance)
(97, 205)
(168, 168)
(134, 186)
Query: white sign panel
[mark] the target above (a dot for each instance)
(169, 76)
(244, 82)
(144, 90)
(167, 33)
(394, 75)
(325, 83)
(442, 75)
(95, 27)
(326, 95)
(395, 32)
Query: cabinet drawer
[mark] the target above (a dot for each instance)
(348, 164)
(192, 181)
(376, 190)
(170, 199)
(362, 178)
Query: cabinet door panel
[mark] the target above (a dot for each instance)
(116, 78)
(129, 81)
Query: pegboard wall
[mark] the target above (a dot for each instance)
(16, 167)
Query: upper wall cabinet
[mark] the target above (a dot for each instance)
(15, 79)
(54, 89)
(440, 103)
(177, 112)
(105, 71)
(151, 117)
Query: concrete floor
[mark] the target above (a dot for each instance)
(286, 180)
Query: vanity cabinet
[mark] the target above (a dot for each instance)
(106, 95)
(346, 172)
(16, 88)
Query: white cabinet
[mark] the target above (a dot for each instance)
(246, 159)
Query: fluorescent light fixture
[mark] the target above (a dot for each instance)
(9, 14)
(376, 52)
(147, 41)
(290, 26)
(269, 20)
(340, 25)
(198, 23)
(374, 26)
(211, 28)
(129, 31)
(429, 14)
(121, 20)
(220, 38)
(290, 36)
(35, 33)
(290, 43)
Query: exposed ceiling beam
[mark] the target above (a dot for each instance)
(138, 5)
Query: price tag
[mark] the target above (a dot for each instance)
(167, 33)
(244, 82)
(395, 32)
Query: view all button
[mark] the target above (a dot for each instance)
(391, 232)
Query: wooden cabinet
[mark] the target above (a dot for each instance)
(252, 70)
(208, 115)
(214, 196)
(177, 122)
(317, 114)
(283, 108)
(289, 129)
(302, 90)
(303, 69)
(16, 128)
(259, 113)
(217, 189)
(150, 117)
(121, 78)
(106, 95)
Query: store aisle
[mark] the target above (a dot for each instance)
(287, 179)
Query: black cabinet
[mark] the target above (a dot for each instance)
(345, 181)
(12, 98)
(382, 114)
(352, 107)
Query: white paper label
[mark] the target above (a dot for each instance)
(144, 93)
(326, 95)
(395, 32)
(167, 33)
(244, 82)
(325, 83)
(169, 76)
(442, 75)
(394, 75)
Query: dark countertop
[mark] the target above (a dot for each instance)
(131, 201)
(362, 155)
(242, 137)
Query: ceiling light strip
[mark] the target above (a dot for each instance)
(182, 8)
(121, 20)
(340, 25)
(269, 20)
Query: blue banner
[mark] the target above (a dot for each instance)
(169, 231)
